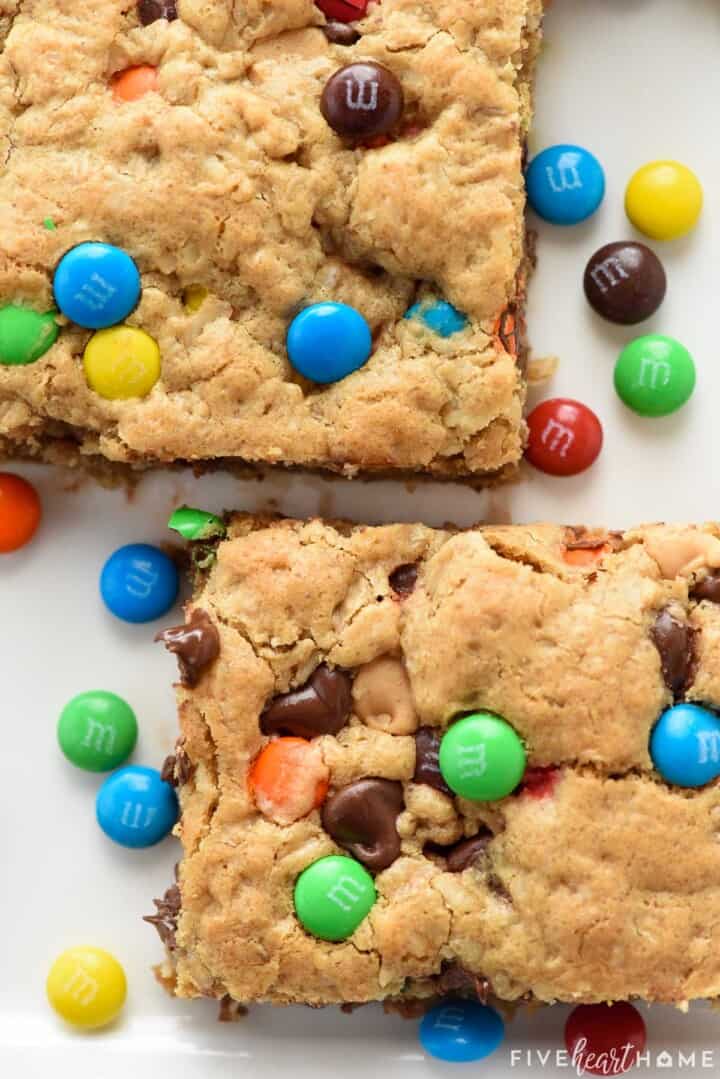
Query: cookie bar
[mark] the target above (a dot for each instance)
(333, 679)
(195, 137)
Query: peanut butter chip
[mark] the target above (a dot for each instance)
(682, 552)
(382, 696)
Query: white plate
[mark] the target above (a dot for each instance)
(631, 79)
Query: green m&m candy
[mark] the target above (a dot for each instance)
(654, 375)
(195, 524)
(332, 896)
(97, 730)
(481, 757)
(25, 334)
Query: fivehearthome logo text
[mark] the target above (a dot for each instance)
(615, 1061)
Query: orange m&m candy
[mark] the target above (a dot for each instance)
(133, 82)
(19, 512)
(585, 556)
(289, 779)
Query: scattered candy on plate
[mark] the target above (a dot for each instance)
(564, 437)
(328, 341)
(685, 745)
(625, 282)
(459, 1031)
(604, 1040)
(439, 316)
(333, 896)
(654, 375)
(86, 987)
(362, 100)
(565, 184)
(664, 200)
(20, 512)
(25, 335)
(135, 807)
(96, 285)
(139, 583)
(481, 757)
(97, 730)
(121, 362)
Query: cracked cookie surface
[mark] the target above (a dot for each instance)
(228, 177)
(595, 880)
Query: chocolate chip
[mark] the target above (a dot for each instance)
(177, 769)
(165, 920)
(229, 1009)
(167, 772)
(674, 641)
(708, 588)
(362, 817)
(196, 644)
(454, 978)
(152, 10)
(321, 706)
(427, 766)
(467, 851)
(340, 33)
(361, 100)
(625, 282)
(403, 579)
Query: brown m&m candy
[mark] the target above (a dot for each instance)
(340, 33)
(152, 10)
(362, 818)
(321, 706)
(625, 282)
(362, 100)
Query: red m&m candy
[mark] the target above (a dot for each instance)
(604, 1040)
(343, 10)
(19, 512)
(565, 437)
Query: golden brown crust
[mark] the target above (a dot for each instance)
(229, 177)
(607, 888)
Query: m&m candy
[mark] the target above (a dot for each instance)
(86, 987)
(139, 583)
(459, 1031)
(289, 779)
(685, 745)
(25, 335)
(97, 730)
(121, 362)
(134, 82)
(439, 316)
(604, 1040)
(332, 897)
(654, 375)
(193, 524)
(135, 807)
(96, 285)
(564, 437)
(343, 10)
(664, 200)
(481, 757)
(20, 512)
(565, 184)
(194, 296)
(327, 341)
(625, 282)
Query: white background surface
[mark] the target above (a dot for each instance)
(633, 80)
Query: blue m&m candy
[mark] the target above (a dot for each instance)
(96, 285)
(565, 184)
(685, 745)
(135, 807)
(328, 341)
(461, 1030)
(439, 316)
(139, 583)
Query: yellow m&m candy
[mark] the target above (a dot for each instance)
(194, 297)
(86, 987)
(121, 362)
(664, 199)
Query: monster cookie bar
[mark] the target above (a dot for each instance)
(240, 232)
(418, 761)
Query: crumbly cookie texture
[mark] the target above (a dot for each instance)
(229, 178)
(594, 881)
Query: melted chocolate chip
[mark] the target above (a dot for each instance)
(340, 33)
(455, 979)
(467, 851)
(362, 817)
(403, 579)
(196, 644)
(165, 920)
(177, 769)
(321, 706)
(167, 772)
(362, 100)
(427, 766)
(674, 641)
(152, 10)
(708, 588)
